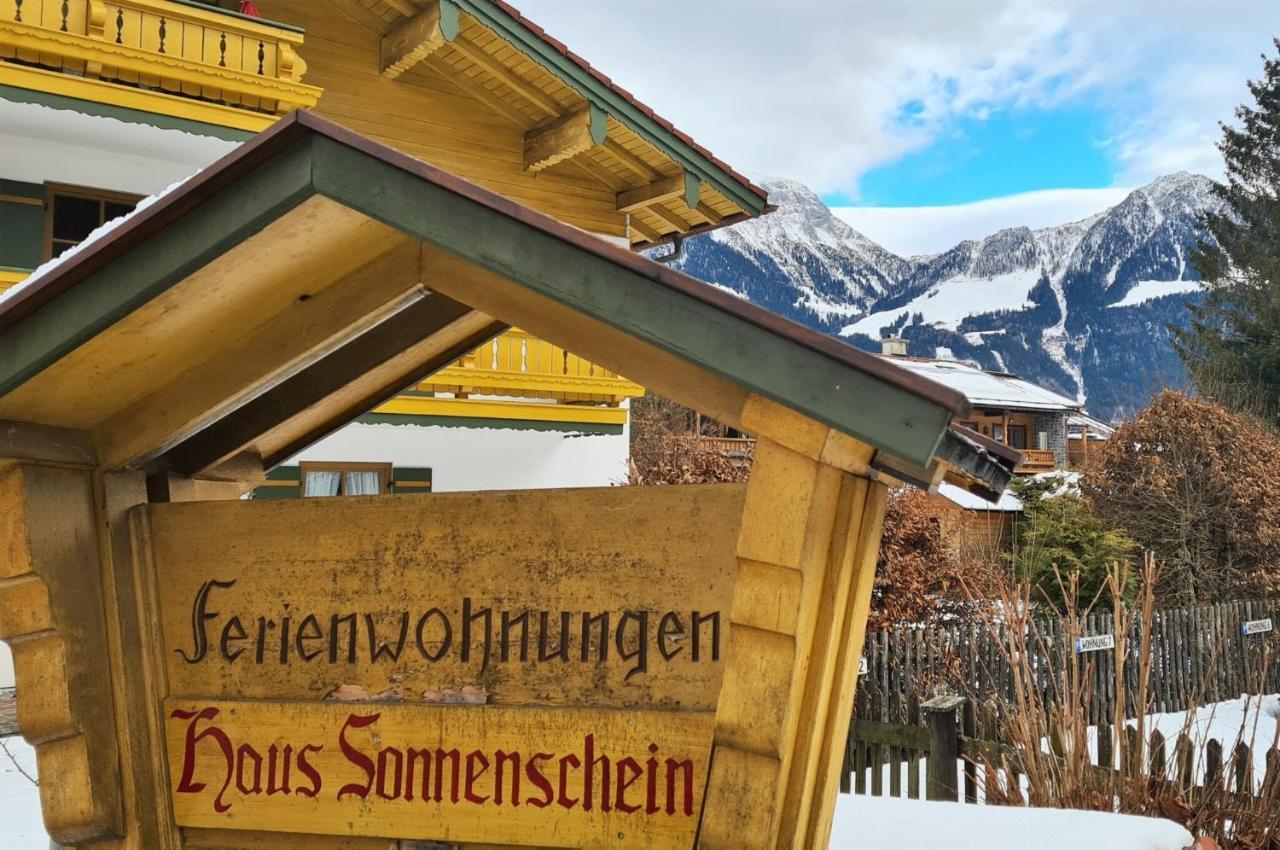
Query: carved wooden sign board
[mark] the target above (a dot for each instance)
(514, 668)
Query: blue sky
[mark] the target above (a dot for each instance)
(1004, 151)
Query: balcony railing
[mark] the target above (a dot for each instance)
(516, 364)
(177, 47)
(1037, 460)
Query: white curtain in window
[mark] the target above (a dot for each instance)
(322, 483)
(361, 483)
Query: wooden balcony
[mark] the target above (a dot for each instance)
(1036, 460)
(559, 386)
(176, 57)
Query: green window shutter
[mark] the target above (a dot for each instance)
(21, 225)
(411, 479)
(282, 483)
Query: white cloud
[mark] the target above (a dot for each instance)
(816, 89)
(929, 230)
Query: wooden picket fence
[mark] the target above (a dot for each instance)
(1198, 654)
(939, 761)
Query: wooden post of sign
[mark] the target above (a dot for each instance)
(51, 591)
(806, 555)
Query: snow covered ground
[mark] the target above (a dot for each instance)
(886, 823)
(20, 824)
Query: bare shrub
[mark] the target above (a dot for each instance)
(1196, 484)
(921, 576)
(1050, 755)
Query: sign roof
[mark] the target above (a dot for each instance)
(312, 273)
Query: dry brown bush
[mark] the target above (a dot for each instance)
(1196, 484)
(921, 576)
(664, 449)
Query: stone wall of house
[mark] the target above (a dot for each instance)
(1055, 425)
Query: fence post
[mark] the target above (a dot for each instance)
(944, 747)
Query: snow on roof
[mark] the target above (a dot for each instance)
(987, 389)
(1064, 483)
(97, 235)
(1008, 503)
(1098, 430)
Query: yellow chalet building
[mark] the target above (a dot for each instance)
(104, 102)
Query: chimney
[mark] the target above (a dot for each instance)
(893, 346)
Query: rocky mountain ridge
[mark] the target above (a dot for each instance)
(1082, 307)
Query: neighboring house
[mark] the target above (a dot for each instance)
(103, 102)
(1035, 421)
(1051, 430)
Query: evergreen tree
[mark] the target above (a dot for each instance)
(1232, 346)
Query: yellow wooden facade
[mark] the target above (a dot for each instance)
(426, 77)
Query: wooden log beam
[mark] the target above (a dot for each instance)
(435, 317)
(418, 37)
(683, 186)
(277, 349)
(645, 230)
(671, 218)
(565, 137)
(630, 160)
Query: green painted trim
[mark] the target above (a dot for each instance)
(15, 269)
(888, 417)
(450, 25)
(587, 85)
(14, 94)
(285, 473)
(218, 10)
(206, 232)
(569, 429)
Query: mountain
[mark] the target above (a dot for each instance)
(1082, 307)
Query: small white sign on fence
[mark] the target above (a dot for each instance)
(1257, 627)
(1093, 643)
(862, 666)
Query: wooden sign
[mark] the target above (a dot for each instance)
(453, 669)
(1094, 643)
(548, 777)
(1256, 627)
(610, 597)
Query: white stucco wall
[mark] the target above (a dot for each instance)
(482, 458)
(45, 144)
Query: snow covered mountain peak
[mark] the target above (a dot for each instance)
(1082, 308)
(1180, 192)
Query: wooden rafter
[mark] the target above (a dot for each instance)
(418, 37)
(709, 213)
(564, 137)
(645, 230)
(600, 173)
(476, 89)
(630, 160)
(491, 64)
(683, 186)
(669, 217)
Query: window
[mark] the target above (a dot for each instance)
(345, 479)
(1018, 436)
(72, 213)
